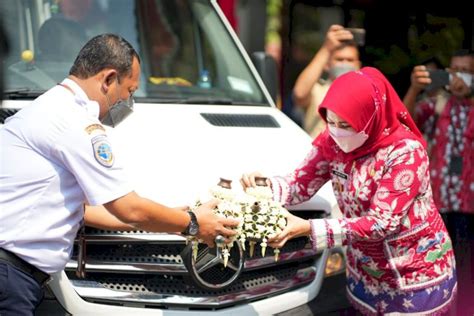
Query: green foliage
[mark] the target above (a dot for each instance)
(440, 38)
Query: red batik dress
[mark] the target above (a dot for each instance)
(399, 254)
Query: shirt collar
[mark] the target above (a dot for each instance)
(82, 99)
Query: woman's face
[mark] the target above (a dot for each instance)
(334, 120)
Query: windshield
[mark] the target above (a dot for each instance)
(187, 55)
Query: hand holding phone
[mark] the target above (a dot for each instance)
(439, 78)
(358, 34)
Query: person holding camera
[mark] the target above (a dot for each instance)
(447, 123)
(448, 126)
(339, 54)
(399, 255)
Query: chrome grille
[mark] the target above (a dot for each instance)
(146, 268)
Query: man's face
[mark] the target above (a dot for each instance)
(129, 84)
(121, 91)
(347, 55)
(462, 69)
(462, 64)
(342, 61)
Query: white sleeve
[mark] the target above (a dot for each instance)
(84, 150)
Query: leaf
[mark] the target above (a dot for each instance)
(375, 273)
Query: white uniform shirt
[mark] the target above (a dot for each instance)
(55, 156)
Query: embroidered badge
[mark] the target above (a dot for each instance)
(94, 127)
(103, 151)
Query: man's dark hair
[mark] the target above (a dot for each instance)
(463, 53)
(434, 61)
(348, 43)
(102, 52)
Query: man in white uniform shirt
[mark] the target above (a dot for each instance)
(56, 157)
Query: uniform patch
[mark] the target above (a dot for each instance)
(94, 127)
(103, 151)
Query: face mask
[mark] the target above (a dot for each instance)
(338, 70)
(466, 77)
(347, 140)
(118, 111)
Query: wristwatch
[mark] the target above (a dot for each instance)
(193, 226)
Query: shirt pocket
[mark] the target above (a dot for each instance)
(419, 257)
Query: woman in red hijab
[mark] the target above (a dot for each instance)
(399, 254)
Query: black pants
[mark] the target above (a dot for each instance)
(20, 293)
(460, 226)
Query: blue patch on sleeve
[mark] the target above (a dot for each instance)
(103, 151)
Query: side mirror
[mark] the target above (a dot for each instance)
(267, 68)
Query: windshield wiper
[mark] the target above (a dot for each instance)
(22, 93)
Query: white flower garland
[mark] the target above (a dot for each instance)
(260, 218)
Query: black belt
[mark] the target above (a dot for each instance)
(41, 277)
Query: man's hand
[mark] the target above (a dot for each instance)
(211, 225)
(420, 78)
(182, 208)
(295, 227)
(335, 36)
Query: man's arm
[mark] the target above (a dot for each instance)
(99, 217)
(311, 74)
(144, 214)
(420, 78)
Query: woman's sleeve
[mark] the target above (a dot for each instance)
(304, 182)
(404, 177)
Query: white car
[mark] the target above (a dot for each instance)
(202, 112)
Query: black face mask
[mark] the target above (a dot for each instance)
(118, 111)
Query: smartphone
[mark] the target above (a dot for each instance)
(359, 35)
(439, 78)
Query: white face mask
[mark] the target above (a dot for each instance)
(466, 77)
(347, 140)
(340, 69)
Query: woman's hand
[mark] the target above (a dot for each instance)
(295, 227)
(248, 180)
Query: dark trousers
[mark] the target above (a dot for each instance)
(20, 294)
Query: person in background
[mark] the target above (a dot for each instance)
(399, 254)
(418, 83)
(338, 55)
(51, 168)
(448, 128)
(447, 123)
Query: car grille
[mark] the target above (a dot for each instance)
(146, 269)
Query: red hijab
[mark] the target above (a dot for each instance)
(355, 97)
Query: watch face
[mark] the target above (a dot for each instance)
(193, 228)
